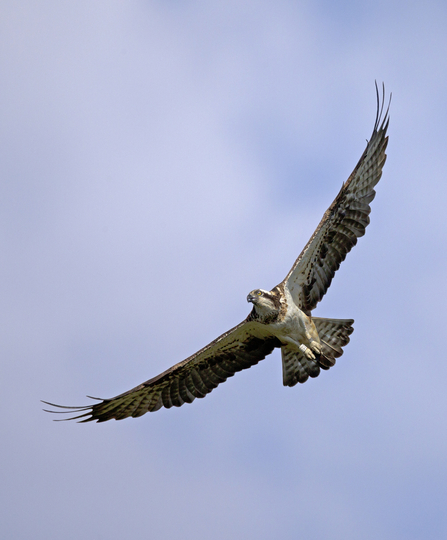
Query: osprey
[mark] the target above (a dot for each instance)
(279, 318)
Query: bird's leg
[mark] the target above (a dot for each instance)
(303, 348)
(315, 346)
(307, 351)
(311, 333)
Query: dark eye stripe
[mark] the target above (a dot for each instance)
(273, 297)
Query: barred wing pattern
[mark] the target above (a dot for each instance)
(240, 348)
(249, 342)
(343, 222)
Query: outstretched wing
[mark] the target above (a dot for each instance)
(343, 222)
(240, 348)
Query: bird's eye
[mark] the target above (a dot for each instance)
(259, 293)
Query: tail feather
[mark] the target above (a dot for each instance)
(334, 335)
(296, 368)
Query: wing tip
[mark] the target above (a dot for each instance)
(382, 121)
(87, 410)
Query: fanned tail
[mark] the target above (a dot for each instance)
(334, 335)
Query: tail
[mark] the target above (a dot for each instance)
(334, 334)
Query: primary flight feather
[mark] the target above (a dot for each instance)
(280, 317)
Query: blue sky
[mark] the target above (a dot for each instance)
(159, 160)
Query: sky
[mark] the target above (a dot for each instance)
(158, 161)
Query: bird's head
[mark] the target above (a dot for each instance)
(266, 303)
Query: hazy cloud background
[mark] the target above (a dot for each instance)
(158, 161)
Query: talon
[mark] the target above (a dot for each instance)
(309, 354)
(316, 347)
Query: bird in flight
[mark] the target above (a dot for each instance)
(279, 318)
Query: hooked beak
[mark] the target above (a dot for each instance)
(251, 298)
